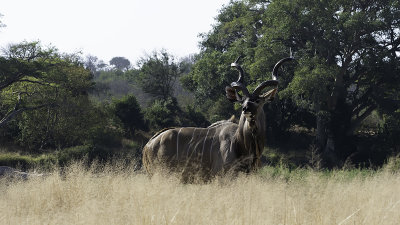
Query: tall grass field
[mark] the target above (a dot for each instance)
(118, 195)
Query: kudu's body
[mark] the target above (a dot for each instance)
(223, 146)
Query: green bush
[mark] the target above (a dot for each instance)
(193, 117)
(127, 151)
(128, 111)
(26, 162)
(391, 131)
(222, 109)
(163, 113)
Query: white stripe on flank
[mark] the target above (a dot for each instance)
(177, 144)
(190, 143)
(205, 139)
(161, 138)
(212, 144)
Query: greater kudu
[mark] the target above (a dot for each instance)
(221, 147)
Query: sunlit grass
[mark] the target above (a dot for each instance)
(117, 195)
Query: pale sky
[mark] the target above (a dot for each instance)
(127, 28)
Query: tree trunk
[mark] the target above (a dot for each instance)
(336, 144)
(321, 135)
(326, 137)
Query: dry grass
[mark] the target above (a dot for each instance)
(111, 196)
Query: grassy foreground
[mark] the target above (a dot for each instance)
(115, 195)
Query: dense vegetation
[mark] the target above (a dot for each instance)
(339, 103)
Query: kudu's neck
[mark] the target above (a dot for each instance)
(251, 138)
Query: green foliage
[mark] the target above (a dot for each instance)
(158, 73)
(337, 49)
(95, 154)
(120, 63)
(347, 61)
(117, 84)
(208, 77)
(26, 162)
(237, 27)
(193, 117)
(391, 131)
(312, 83)
(128, 111)
(222, 109)
(163, 113)
(48, 95)
(67, 125)
(125, 151)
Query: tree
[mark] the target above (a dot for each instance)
(157, 75)
(120, 63)
(186, 63)
(128, 111)
(91, 63)
(234, 34)
(347, 54)
(21, 65)
(347, 65)
(47, 93)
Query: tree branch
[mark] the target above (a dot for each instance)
(34, 82)
(18, 110)
(9, 116)
(9, 82)
(359, 119)
(359, 101)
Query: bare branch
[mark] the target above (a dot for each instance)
(18, 110)
(359, 119)
(9, 116)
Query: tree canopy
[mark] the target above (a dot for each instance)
(157, 75)
(347, 56)
(120, 63)
(128, 111)
(47, 95)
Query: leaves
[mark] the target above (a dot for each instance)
(157, 75)
(313, 82)
(48, 95)
(129, 112)
(120, 63)
(347, 54)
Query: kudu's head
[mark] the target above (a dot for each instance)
(252, 103)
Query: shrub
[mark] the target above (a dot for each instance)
(163, 113)
(193, 117)
(391, 131)
(26, 162)
(128, 111)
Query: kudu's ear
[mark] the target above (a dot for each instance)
(269, 95)
(232, 94)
